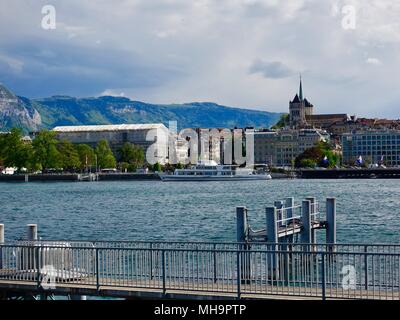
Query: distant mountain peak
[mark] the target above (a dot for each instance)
(17, 112)
(63, 110)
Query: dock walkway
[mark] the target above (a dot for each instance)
(200, 270)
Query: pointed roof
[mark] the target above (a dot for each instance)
(301, 90)
(296, 99)
(307, 103)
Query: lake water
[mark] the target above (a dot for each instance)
(367, 210)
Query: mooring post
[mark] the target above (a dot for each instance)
(32, 232)
(331, 222)
(1, 233)
(241, 224)
(1, 242)
(313, 211)
(242, 228)
(272, 237)
(279, 205)
(289, 204)
(32, 251)
(305, 235)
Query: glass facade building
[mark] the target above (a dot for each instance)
(373, 146)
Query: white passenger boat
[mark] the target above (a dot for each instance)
(211, 171)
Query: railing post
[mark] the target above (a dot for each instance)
(366, 267)
(97, 269)
(163, 272)
(215, 262)
(286, 259)
(151, 261)
(272, 237)
(242, 229)
(323, 277)
(37, 257)
(238, 269)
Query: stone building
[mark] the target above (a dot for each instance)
(281, 147)
(117, 135)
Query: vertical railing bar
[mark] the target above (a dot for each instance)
(323, 277)
(163, 272)
(238, 274)
(97, 269)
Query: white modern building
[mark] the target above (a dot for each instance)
(145, 135)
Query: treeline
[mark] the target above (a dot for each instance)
(46, 152)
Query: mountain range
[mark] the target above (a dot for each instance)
(35, 114)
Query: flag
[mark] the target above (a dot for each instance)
(325, 160)
(360, 160)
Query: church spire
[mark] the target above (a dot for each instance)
(301, 90)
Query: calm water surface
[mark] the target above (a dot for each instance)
(368, 210)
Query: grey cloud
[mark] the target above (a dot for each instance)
(179, 51)
(271, 70)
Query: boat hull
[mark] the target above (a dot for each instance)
(213, 178)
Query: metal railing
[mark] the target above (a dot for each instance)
(343, 271)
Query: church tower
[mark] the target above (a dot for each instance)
(299, 109)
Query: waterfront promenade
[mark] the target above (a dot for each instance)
(73, 177)
(199, 270)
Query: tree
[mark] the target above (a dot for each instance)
(283, 122)
(105, 157)
(87, 156)
(69, 157)
(308, 163)
(45, 153)
(131, 154)
(13, 151)
(157, 167)
(321, 154)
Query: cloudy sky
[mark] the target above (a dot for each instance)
(244, 53)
